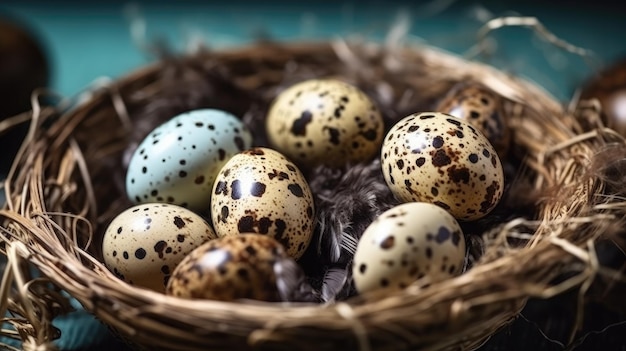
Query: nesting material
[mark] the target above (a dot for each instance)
(67, 184)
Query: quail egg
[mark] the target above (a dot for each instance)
(325, 121)
(410, 242)
(438, 158)
(230, 268)
(143, 244)
(179, 160)
(483, 109)
(261, 191)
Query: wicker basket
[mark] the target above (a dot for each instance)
(66, 185)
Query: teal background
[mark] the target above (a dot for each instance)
(87, 41)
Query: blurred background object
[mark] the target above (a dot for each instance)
(609, 87)
(24, 67)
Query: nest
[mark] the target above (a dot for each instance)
(66, 184)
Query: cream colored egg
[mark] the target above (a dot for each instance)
(441, 159)
(261, 191)
(410, 242)
(325, 121)
(143, 244)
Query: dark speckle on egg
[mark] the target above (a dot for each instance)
(437, 142)
(223, 214)
(299, 125)
(442, 235)
(140, 253)
(159, 248)
(333, 135)
(440, 158)
(255, 152)
(246, 224)
(387, 243)
(240, 143)
(257, 189)
(220, 188)
(296, 189)
(235, 189)
(179, 222)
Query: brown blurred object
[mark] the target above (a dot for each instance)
(23, 68)
(609, 87)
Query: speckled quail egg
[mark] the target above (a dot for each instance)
(261, 191)
(438, 158)
(178, 161)
(143, 244)
(325, 121)
(409, 242)
(483, 109)
(230, 268)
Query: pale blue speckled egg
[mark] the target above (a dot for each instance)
(178, 161)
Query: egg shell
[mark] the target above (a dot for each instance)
(178, 161)
(410, 242)
(230, 268)
(325, 121)
(438, 158)
(143, 244)
(483, 109)
(261, 191)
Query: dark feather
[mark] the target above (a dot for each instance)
(334, 281)
(348, 201)
(292, 284)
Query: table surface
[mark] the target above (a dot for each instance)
(88, 42)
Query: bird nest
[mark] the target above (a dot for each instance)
(67, 183)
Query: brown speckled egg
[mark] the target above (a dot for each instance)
(438, 158)
(409, 242)
(483, 109)
(261, 191)
(229, 268)
(144, 243)
(325, 121)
